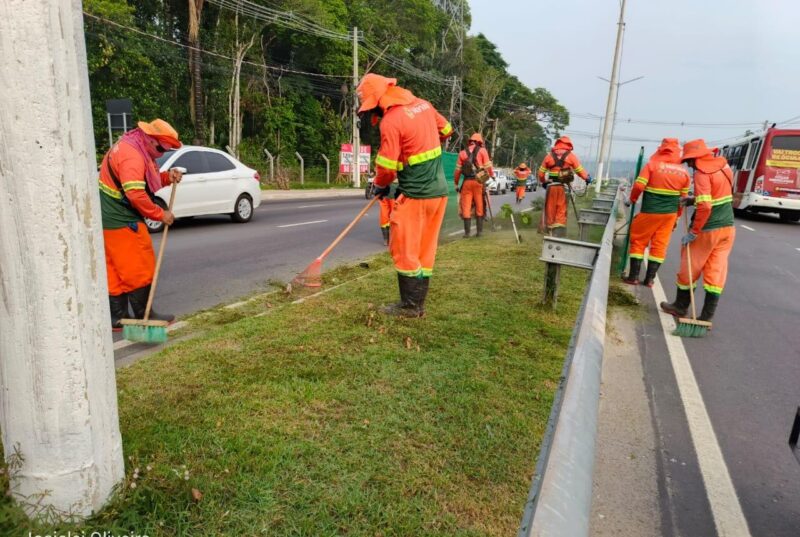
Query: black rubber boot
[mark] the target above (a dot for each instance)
(409, 298)
(681, 304)
(422, 290)
(652, 268)
(119, 310)
(479, 226)
(633, 271)
(467, 224)
(385, 232)
(138, 299)
(709, 307)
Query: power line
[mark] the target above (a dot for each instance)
(280, 68)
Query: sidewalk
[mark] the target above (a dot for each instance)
(281, 195)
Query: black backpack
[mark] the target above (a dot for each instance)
(470, 168)
(564, 176)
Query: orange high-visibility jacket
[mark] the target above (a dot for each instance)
(663, 180)
(713, 190)
(411, 149)
(481, 159)
(549, 167)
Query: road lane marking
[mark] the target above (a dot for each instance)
(798, 249)
(748, 228)
(312, 206)
(453, 234)
(122, 343)
(526, 210)
(725, 506)
(304, 223)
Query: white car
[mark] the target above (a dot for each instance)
(498, 184)
(214, 183)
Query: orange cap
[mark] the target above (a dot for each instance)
(563, 143)
(695, 149)
(523, 166)
(162, 131)
(371, 88)
(477, 138)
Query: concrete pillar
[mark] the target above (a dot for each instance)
(58, 397)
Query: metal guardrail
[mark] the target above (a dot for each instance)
(560, 500)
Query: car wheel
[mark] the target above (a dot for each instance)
(154, 226)
(242, 209)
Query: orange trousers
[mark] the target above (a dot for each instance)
(710, 251)
(386, 211)
(555, 208)
(414, 235)
(130, 261)
(654, 230)
(471, 191)
(521, 192)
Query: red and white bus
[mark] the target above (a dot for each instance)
(766, 172)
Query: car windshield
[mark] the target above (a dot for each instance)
(164, 158)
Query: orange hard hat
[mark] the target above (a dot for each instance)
(161, 131)
(477, 138)
(695, 149)
(371, 88)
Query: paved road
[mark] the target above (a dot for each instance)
(211, 260)
(748, 372)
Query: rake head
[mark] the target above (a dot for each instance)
(311, 276)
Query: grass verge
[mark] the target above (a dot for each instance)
(328, 418)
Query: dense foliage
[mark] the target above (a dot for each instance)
(196, 62)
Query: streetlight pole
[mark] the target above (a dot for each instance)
(607, 156)
(612, 95)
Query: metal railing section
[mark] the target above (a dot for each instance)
(560, 500)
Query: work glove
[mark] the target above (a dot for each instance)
(687, 201)
(689, 237)
(589, 180)
(458, 189)
(381, 192)
(627, 202)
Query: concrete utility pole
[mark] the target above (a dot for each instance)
(58, 396)
(495, 121)
(607, 156)
(513, 151)
(356, 141)
(612, 96)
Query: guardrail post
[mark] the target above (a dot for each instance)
(271, 165)
(302, 167)
(327, 169)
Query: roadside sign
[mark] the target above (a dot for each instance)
(346, 158)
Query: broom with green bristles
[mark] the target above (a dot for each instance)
(690, 327)
(144, 330)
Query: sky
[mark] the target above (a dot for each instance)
(703, 61)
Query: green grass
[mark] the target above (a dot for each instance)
(329, 418)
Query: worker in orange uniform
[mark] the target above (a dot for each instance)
(521, 172)
(664, 182)
(555, 173)
(410, 151)
(472, 161)
(711, 234)
(129, 177)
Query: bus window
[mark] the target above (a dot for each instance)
(752, 156)
(737, 156)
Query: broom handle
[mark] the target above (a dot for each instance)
(689, 265)
(154, 283)
(338, 239)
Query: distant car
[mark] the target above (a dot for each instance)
(214, 183)
(531, 184)
(497, 184)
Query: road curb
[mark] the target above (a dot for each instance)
(283, 195)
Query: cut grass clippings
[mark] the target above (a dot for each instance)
(329, 418)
